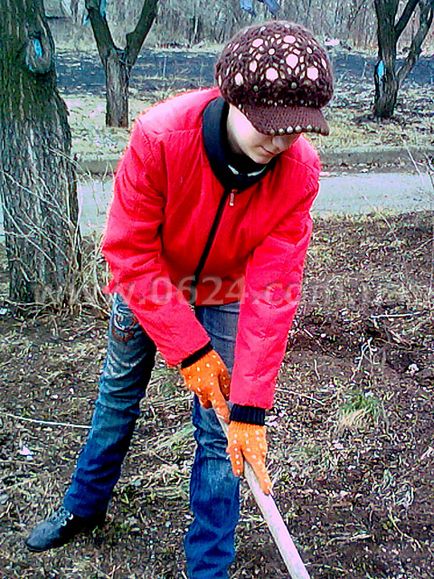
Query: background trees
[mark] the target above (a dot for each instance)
(390, 27)
(194, 21)
(118, 62)
(37, 178)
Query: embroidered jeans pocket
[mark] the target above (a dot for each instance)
(123, 323)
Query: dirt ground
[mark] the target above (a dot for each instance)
(351, 433)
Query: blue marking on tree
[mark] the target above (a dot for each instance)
(380, 69)
(37, 47)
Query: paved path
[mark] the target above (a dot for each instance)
(352, 193)
(355, 193)
(369, 192)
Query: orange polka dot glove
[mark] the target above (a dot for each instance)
(248, 442)
(209, 379)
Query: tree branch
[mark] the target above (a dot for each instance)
(405, 17)
(101, 31)
(425, 21)
(352, 16)
(136, 38)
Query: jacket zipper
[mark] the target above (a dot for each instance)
(211, 236)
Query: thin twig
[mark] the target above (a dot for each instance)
(410, 315)
(299, 395)
(46, 422)
(315, 368)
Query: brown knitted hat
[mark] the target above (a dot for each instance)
(279, 76)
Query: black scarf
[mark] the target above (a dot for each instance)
(233, 171)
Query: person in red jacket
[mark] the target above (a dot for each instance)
(206, 239)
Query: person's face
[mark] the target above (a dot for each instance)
(245, 139)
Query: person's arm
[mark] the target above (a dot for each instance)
(272, 293)
(132, 248)
(271, 296)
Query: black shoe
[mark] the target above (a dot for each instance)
(60, 528)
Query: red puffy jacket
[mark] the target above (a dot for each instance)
(165, 200)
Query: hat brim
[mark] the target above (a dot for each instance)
(281, 120)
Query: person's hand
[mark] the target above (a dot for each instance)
(209, 379)
(248, 442)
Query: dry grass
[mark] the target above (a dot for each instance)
(411, 124)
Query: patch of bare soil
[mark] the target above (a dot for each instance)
(351, 433)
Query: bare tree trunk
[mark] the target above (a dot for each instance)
(117, 75)
(386, 83)
(119, 62)
(387, 79)
(37, 178)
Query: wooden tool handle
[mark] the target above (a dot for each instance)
(275, 523)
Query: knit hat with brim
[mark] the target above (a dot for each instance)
(279, 76)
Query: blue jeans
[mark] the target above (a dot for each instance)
(214, 490)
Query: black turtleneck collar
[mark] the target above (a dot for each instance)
(233, 171)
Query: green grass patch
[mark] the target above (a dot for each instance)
(361, 410)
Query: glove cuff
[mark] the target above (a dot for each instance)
(248, 414)
(193, 358)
